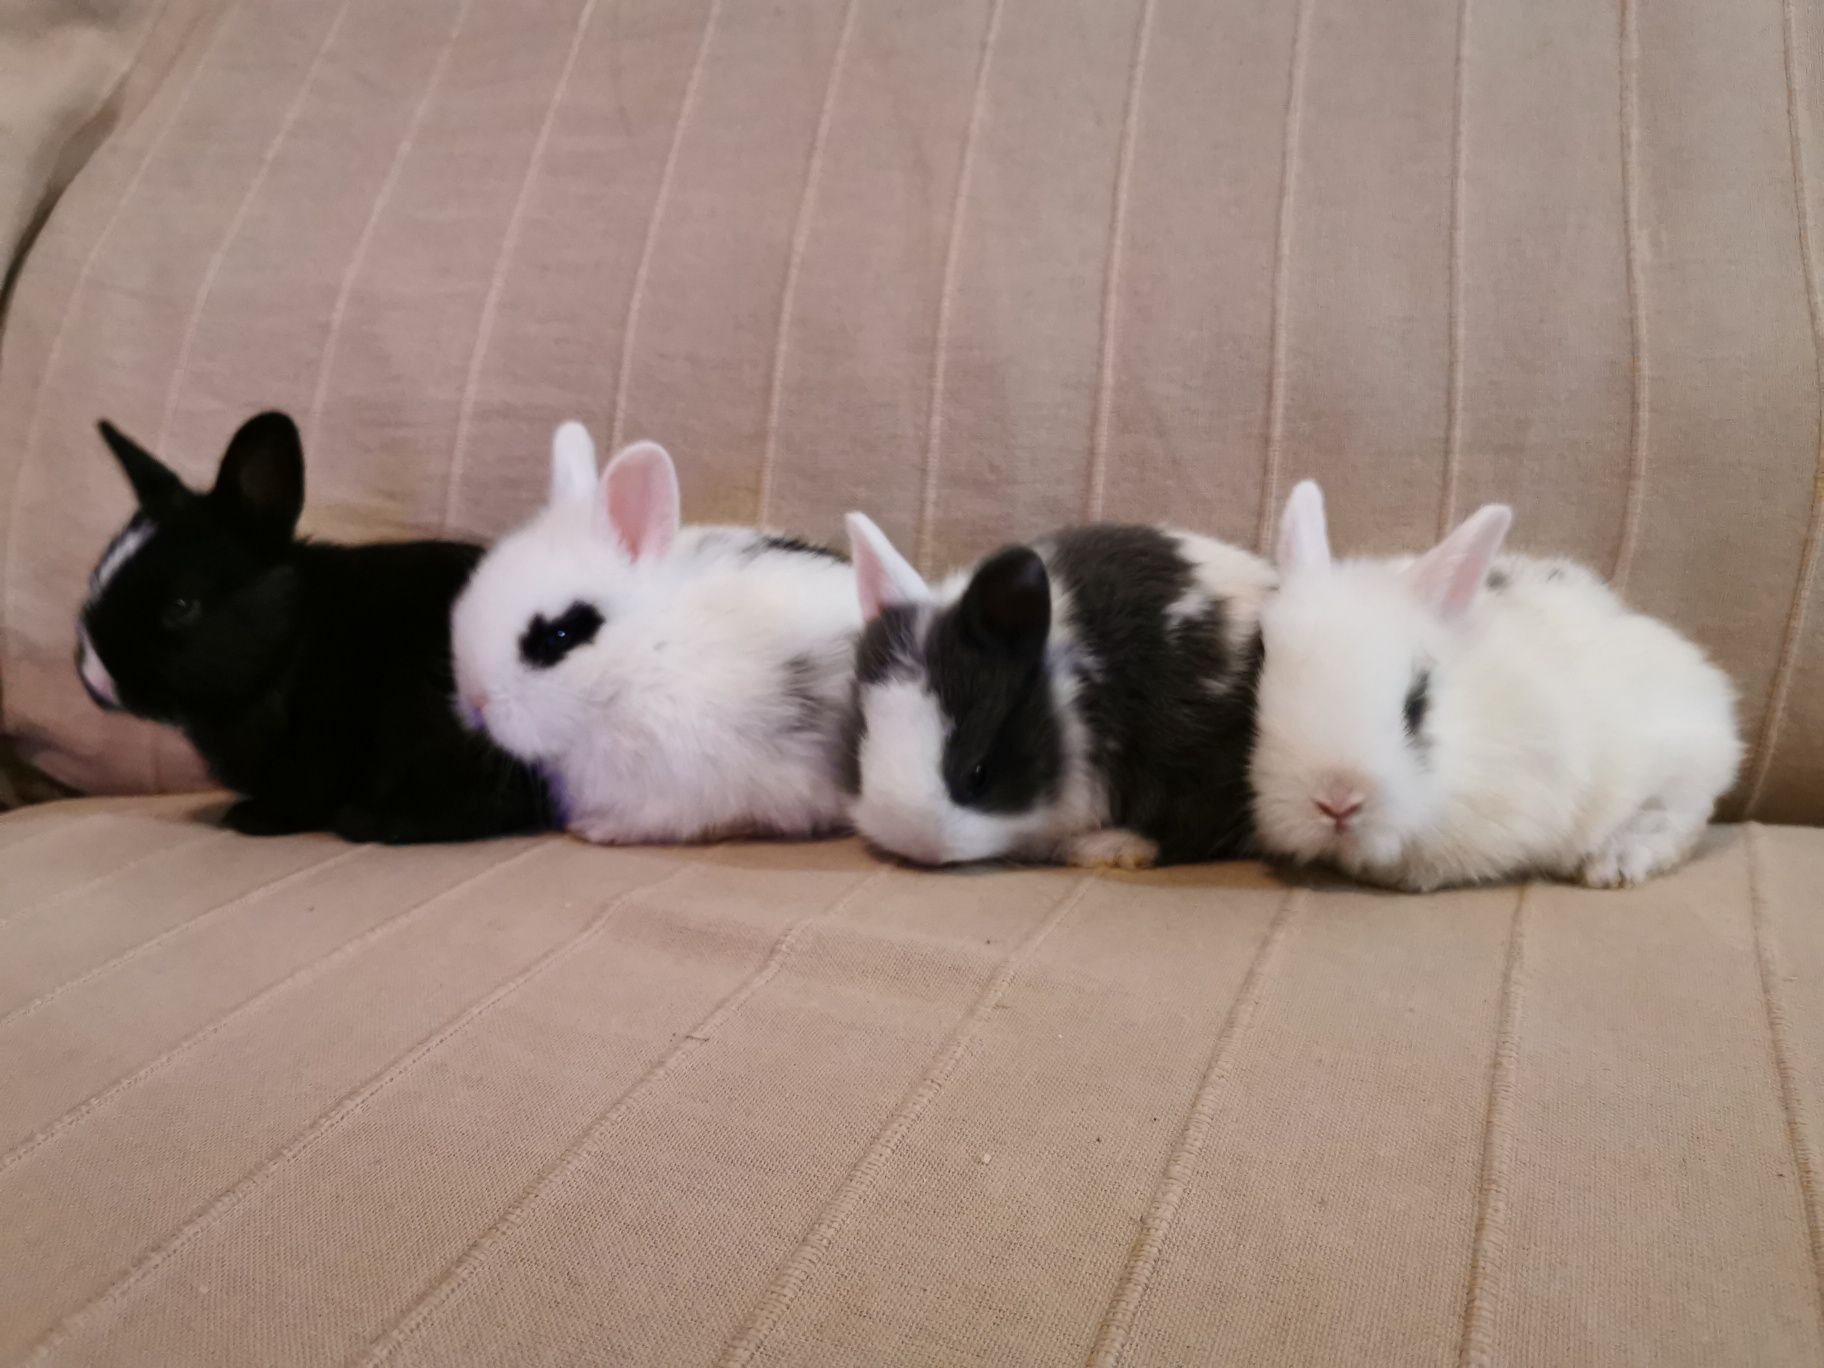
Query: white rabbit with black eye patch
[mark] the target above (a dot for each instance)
(1458, 717)
(671, 683)
(1085, 699)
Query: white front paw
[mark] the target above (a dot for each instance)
(1111, 848)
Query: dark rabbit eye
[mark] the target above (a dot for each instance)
(548, 640)
(181, 611)
(976, 784)
(1418, 701)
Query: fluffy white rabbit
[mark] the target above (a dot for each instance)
(1455, 717)
(671, 683)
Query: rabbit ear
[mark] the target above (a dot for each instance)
(1008, 603)
(572, 464)
(156, 488)
(1304, 537)
(640, 498)
(261, 478)
(1447, 578)
(883, 578)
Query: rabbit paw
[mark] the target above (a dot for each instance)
(1111, 848)
(1651, 842)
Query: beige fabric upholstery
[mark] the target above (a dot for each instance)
(537, 1102)
(982, 266)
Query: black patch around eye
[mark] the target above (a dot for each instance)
(548, 640)
(1418, 702)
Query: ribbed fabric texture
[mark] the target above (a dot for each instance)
(977, 265)
(296, 1103)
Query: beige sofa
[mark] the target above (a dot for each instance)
(983, 266)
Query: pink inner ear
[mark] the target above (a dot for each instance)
(871, 582)
(883, 577)
(1304, 534)
(642, 499)
(1448, 577)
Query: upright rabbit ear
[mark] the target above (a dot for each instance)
(1008, 603)
(1304, 537)
(883, 578)
(261, 479)
(572, 464)
(156, 488)
(640, 497)
(1447, 578)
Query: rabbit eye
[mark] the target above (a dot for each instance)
(975, 784)
(1418, 702)
(548, 640)
(181, 611)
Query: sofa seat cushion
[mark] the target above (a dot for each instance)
(299, 1102)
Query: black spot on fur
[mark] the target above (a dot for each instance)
(548, 640)
(1498, 580)
(797, 546)
(1418, 703)
(1554, 573)
(1168, 706)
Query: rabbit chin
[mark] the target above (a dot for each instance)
(1374, 849)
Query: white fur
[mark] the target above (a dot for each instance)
(676, 722)
(1567, 736)
(119, 552)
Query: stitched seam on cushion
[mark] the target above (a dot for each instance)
(805, 1262)
(946, 295)
(1273, 424)
(1453, 371)
(184, 927)
(54, 352)
(351, 1104)
(801, 236)
(180, 369)
(1804, 1155)
(302, 974)
(649, 244)
(1488, 1246)
(1115, 1335)
(509, 243)
(1111, 269)
(1773, 715)
(471, 1260)
(358, 256)
(1627, 79)
(90, 885)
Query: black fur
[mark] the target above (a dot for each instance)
(1169, 708)
(986, 663)
(314, 679)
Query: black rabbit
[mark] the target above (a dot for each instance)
(314, 679)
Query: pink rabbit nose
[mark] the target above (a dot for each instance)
(1339, 803)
